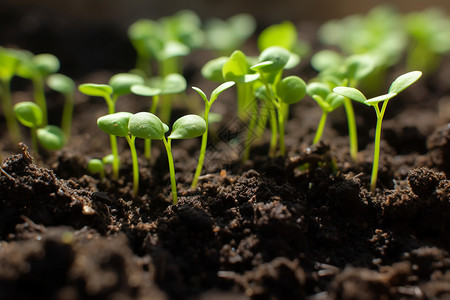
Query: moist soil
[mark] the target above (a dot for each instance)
(303, 226)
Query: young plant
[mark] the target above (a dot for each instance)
(37, 68)
(208, 103)
(30, 115)
(156, 87)
(223, 36)
(96, 166)
(9, 61)
(278, 93)
(327, 101)
(119, 85)
(146, 125)
(66, 86)
(116, 124)
(399, 84)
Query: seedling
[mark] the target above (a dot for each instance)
(30, 115)
(327, 101)
(9, 61)
(156, 87)
(37, 68)
(119, 84)
(399, 84)
(146, 125)
(116, 124)
(208, 103)
(96, 166)
(66, 86)
(278, 93)
(428, 31)
(223, 36)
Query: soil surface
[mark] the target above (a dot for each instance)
(300, 227)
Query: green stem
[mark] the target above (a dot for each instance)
(274, 129)
(282, 109)
(11, 121)
(131, 142)
(201, 158)
(111, 102)
(39, 97)
(376, 150)
(173, 182)
(34, 140)
(352, 133)
(66, 120)
(250, 131)
(320, 127)
(148, 142)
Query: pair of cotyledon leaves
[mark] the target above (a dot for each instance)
(146, 125)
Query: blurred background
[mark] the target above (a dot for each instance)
(96, 30)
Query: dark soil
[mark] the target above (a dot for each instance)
(300, 227)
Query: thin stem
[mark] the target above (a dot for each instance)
(173, 182)
(352, 132)
(376, 150)
(111, 102)
(274, 129)
(282, 112)
(320, 127)
(148, 142)
(250, 131)
(39, 97)
(11, 121)
(201, 158)
(34, 140)
(131, 142)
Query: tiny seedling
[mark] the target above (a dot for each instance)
(30, 115)
(116, 124)
(171, 84)
(37, 68)
(96, 166)
(66, 86)
(278, 93)
(119, 85)
(9, 61)
(208, 103)
(146, 125)
(327, 101)
(399, 84)
(223, 36)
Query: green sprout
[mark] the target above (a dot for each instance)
(96, 166)
(278, 93)
(9, 61)
(31, 115)
(336, 70)
(37, 68)
(223, 36)
(327, 101)
(119, 85)
(399, 84)
(208, 103)
(428, 31)
(146, 125)
(66, 86)
(156, 87)
(116, 124)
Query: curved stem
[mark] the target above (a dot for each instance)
(320, 127)
(201, 158)
(173, 181)
(352, 132)
(134, 159)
